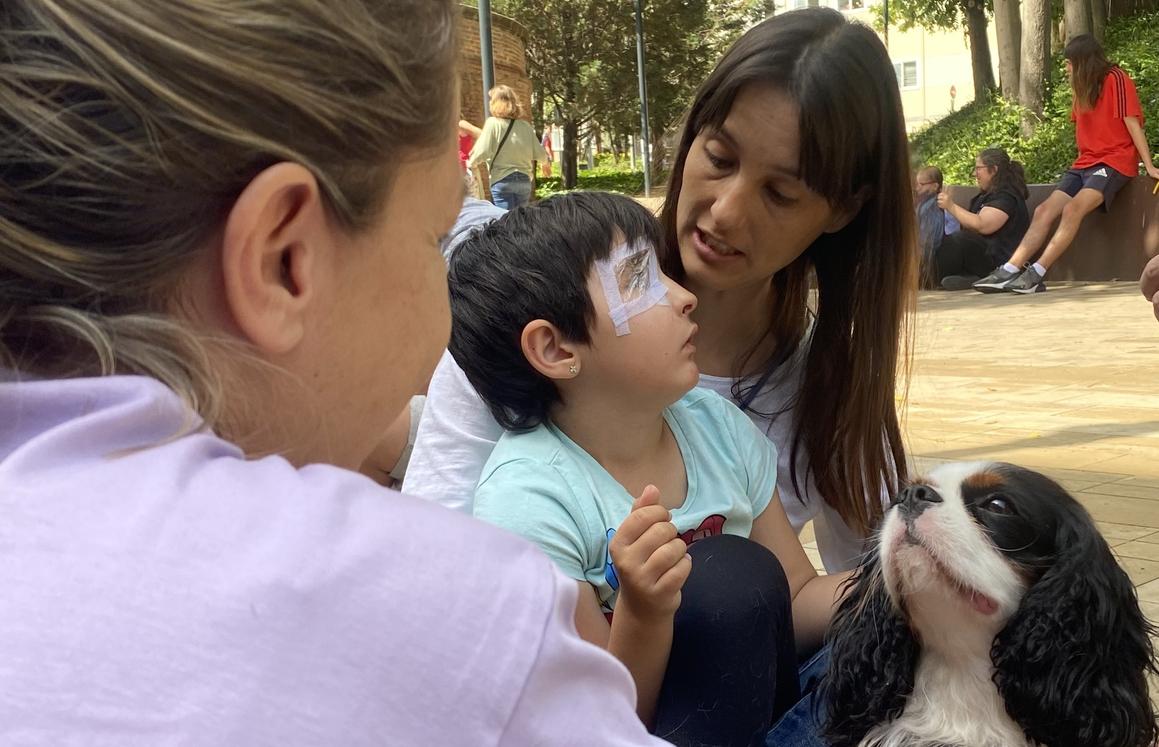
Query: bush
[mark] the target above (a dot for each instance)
(607, 177)
(953, 142)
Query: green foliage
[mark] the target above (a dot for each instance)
(952, 143)
(932, 15)
(607, 177)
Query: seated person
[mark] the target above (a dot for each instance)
(614, 463)
(991, 227)
(1110, 139)
(933, 222)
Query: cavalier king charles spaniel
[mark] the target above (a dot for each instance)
(990, 614)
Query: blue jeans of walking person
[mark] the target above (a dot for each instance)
(511, 191)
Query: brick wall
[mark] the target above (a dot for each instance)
(508, 46)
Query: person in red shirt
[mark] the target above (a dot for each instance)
(1109, 133)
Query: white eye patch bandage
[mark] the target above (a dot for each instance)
(630, 277)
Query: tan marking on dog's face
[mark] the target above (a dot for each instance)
(983, 480)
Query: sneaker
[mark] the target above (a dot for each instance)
(959, 282)
(1028, 282)
(996, 281)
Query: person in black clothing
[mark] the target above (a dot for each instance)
(992, 226)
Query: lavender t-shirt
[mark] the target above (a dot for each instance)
(159, 588)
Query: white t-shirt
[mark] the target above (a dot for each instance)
(457, 433)
(160, 588)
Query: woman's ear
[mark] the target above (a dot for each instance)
(269, 256)
(872, 658)
(548, 352)
(845, 214)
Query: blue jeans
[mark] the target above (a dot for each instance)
(511, 191)
(799, 727)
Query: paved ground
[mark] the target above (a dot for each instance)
(1066, 382)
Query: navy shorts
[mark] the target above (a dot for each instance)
(1099, 177)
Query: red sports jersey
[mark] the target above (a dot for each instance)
(1101, 133)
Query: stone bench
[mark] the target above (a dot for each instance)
(1109, 246)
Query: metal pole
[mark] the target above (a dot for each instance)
(486, 56)
(646, 160)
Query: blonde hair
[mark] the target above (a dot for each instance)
(128, 130)
(505, 103)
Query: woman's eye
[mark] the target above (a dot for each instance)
(716, 161)
(777, 198)
(998, 504)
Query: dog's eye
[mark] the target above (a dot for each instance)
(998, 504)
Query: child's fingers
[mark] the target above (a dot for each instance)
(650, 496)
(674, 578)
(638, 522)
(664, 558)
(635, 554)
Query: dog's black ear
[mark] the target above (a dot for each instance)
(872, 656)
(1072, 662)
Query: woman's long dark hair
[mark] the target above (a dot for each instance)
(1089, 68)
(853, 146)
(1009, 176)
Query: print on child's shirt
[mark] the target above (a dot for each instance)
(710, 527)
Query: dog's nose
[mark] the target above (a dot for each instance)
(917, 498)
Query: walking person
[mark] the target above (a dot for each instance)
(509, 148)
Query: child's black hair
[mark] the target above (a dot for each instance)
(533, 263)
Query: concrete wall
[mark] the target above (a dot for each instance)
(1109, 246)
(509, 46)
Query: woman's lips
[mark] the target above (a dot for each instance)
(713, 250)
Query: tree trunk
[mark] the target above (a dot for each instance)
(1078, 17)
(1008, 24)
(1099, 19)
(1035, 62)
(537, 122)
(569, 169)
(979, 51)
(1056, 37)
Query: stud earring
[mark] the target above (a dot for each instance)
(573, 369)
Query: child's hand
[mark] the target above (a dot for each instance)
(652, 562)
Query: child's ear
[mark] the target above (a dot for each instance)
(547, 351)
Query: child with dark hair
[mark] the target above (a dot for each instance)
(614, 463)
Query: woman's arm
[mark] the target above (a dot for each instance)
(814, 597)
(1139, 138)
(455, 437)
(485, 144)
(985, 222)
(470, 129)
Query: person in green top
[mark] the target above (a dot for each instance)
(509, 148)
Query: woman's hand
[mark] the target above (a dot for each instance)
(1153, 171)
(944, 201)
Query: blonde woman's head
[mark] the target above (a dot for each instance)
(188, 185)
(505, 103)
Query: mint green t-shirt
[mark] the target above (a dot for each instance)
(542, 485)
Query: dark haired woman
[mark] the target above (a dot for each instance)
(1109, 134)
(769, 189)
(991, 227)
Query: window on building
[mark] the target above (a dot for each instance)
(907, 74)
